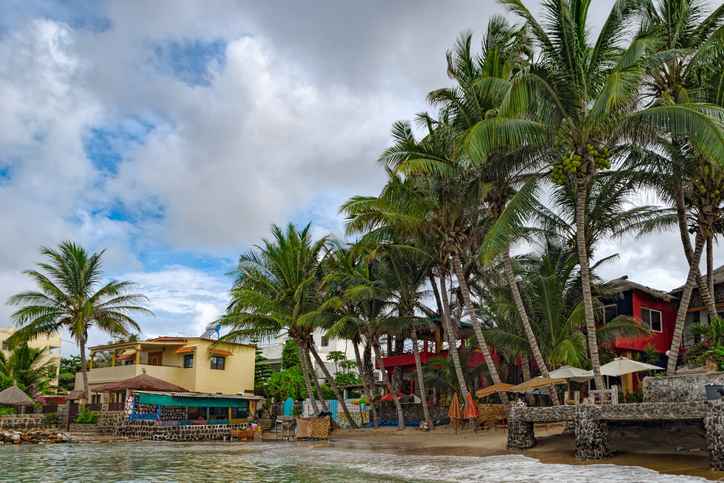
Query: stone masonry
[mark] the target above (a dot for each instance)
(591, 433)
(150, 430)
(687, 387)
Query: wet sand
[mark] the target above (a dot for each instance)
(651, 448)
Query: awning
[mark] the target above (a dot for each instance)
(187, 349)
(191, 402)
(219, 352)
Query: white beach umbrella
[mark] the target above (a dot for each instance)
(622, 365)
(572, 373)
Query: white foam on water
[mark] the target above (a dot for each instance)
(506, 468)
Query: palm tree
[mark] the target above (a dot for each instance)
(27, 368)
(71, 296)
(577, 104)
(277, 291)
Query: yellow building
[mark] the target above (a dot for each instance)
(51, 344)
(193, 363)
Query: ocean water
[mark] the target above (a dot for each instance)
(286, 462)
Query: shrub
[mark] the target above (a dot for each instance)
(6, 411)
(51, 420)
(86, 417)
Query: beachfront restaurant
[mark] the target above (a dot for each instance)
(186, 408)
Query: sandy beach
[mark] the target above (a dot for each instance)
(651, 448)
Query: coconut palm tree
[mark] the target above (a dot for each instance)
(28, 368)
(277, 291)
(577, 104)
(71, 296)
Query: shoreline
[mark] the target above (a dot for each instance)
(552, 448)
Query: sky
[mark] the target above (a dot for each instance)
(174, 133)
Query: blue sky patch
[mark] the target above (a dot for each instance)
(190, 60)
(106, 146)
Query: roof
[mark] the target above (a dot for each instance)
(494, 389)
(623, 284)
(140, 382)
(14, 396)
(718, 278)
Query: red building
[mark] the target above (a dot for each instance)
(654, 309)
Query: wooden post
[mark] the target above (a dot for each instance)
(91, 361)
(113, 359)
(138, 354)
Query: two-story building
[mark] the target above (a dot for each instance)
(697, 313)
(49, 343)
(196, 364)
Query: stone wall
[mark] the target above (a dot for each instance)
(655, 411)
(412, 412)
(686, 387)
(551, 414)
(25, 422)
(150, 430)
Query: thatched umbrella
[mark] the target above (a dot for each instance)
(142, 382)
(15, 397)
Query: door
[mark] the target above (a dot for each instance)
(154, 358)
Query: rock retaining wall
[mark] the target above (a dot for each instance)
(686, 387)
(150, 430)
(25, 422)
(591, 433)
(714, 423)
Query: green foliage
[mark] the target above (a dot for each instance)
(51, 419)
(85, 416)
(290, 354)
(26, 368)
(287, 383)
(6, 411)
(327, 392)
(634, 397)
(347, 378)
(262, 373)
(69, 366)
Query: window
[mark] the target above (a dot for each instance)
(6, 346)
(652, 320)
(218, 362)
(188, 361)
(325, 341)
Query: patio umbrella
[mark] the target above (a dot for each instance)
(571, 373)
(622, 365)
(471, 409)
(494, 389)
(536, 383)
(455, 412)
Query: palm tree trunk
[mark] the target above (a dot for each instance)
(684, 306)
(332, 383)
(315, 381)
(482, 343)
(305, 372)
(710, 267)
(388, 384)
(525, 367)
(582, 247)
(365, 383)
(451, 341)
(420, 379)
(707, 294)
(523, 314)
(84, 370)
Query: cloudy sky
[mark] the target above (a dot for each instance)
(174, 133)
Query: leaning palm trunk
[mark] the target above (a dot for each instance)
(388, 384)
(523, 314)
(305, 372)
(582, 247)
(315, 380)
(365, 383)
(465, 291)
(684, 307)
(84, 370)
(421, 380)
(706, 292)
(710, 268)
(451, 342)
(525, 367)
(332, 383)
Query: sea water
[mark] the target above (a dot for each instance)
(272, 462)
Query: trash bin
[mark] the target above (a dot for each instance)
(714, 392)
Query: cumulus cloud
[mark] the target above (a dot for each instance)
(126, 128)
